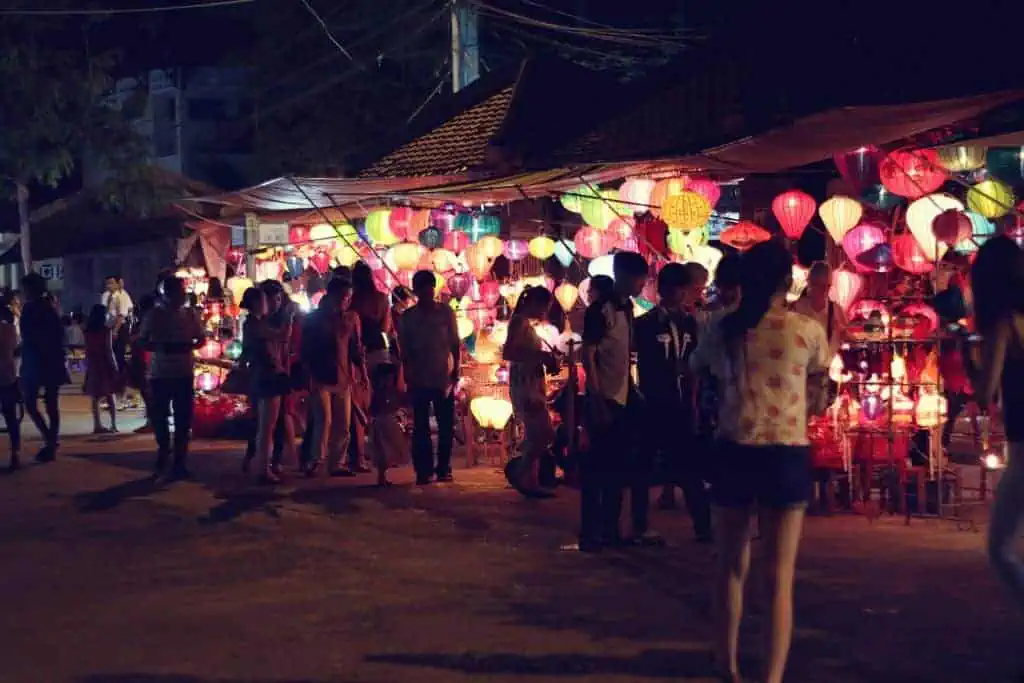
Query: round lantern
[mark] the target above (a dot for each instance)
(637, 191)
(683, 243)
(600, 210)
(958, 158)
(794, 210)
(591, 242)
(908, 255)
(981, 229)
(210, 350)
(862, 238)
(877, 259)
(573, 199)
(845, 288)
(951, 226)
(859, 168)
(744, 235)
(400, 221)
(463, 222)
(602, 265)
(456, 241)
(880, 198)
(478, 262)
(491, 246)
(930, 410)
(346, 256)
(320, 261)
(686, 210)
(706, 188)
(378, 228)
(663, 189)
(516, 250)
(207, 381)
(840, 214)
(709, 257)
(491, 413)
(565, 252)
(490, 292)
(322, 232)
(921, 214)
(542, 247)
(566, 294)
(871, 407)
(233, 350)
(464, 327)
(912, 173)
(431, 237)
(420, 221)
(991, 198)
(459, 284)
(444, 260)
(483, 226)
(404, 255)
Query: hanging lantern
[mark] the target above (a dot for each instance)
(320, 261)
(794, 210)
(591, 242)
(584, 291)
(602, 265)
(345, 256)
(991, 198)
(840, 214)
(981, 229)
(683, 243)
(637, 191)
(1006, 164)
(566, 294)
(921, 320)
(233, 350)
(478, 262)
(709, 257)
(861, 238)
(420, 221)
(600, 210)
(860, 167)
(799, 283)
(565, 252)
(620, 234)
(913, 173)
(951, 226)
(456, 241)
(573, 199)
(400, 222)
(744, 235)
(431, 238)
(921, 214)
(542, 247)
(459, 284)
(516, 250)
(207, 381)
(464, 327)
(490, 412)
(378, 228)
(908, 255)
(959, 158)
(444, 260)
(491, 246)
(490, 292)
(880, 198)
(663, 189)
(481, 317)
(877, 259)
(322, 232)
(686, 210)
(210, 350)
(930, 410)
(706, 188)
(845, 288)
(463, 222)
(404, 255)
(298, 234)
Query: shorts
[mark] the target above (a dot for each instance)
(772, 477)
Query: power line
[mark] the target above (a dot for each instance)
(327, 30)
(206, 4)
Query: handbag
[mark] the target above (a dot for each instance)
(238, 381)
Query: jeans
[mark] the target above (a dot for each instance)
(332, 410)
(603, 474)
(167, 395)
(422, 448)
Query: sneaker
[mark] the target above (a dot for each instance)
(583, 546)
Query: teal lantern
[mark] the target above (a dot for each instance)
(233, 350)
(981, 229)
(565, 252)
(431, 238)
(1006, 164)
(880, 198)
(482, 226)
(463, 222)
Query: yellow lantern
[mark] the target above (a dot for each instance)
(686, 210)
(499, 333)
(324, 232)
(404, 255)
(542, 247)
(959, 158)
(991, 198)
(921, 214)
(478, 262)
(486, 351)
(444, 260)
(464, 326)
(683, 243)
(378, 228)
(490, 412)
(663, 189)
(491, 246)
(897, 368)
(601, 210)
(840, 214)
(346, 256)
(836, 369)
(930, 410)
(567, 294)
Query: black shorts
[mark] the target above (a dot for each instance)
(773, 477)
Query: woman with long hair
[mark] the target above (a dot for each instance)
(761, 355)
(374, 311)
(997, 278)
(103, 379)
(528, 362)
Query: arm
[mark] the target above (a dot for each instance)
(518, 348)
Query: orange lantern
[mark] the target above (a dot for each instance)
(478, 262)
(912, 173)
(663, 189)
(958, 158)
(794, 210)
(686, 210)
(744, 235)
(840, 214)
(420, 221)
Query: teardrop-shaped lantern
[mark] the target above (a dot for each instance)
(490, 292)
(516, 250)
(921, 214)
(846, 287)
(794, 210)
(459, 284)
(860, 168)
(981, 229)
(491, 246)
(566, 294)
(862, 238)
(404, 255)
(840, 214)
(478, 262)
(877, 259)
(430, 237)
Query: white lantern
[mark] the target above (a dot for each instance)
(922, 213)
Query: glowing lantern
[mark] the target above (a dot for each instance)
(490, 292)
(480, 316)
(845, 288)
(444, 260)
(464, 326)
(709, 257)
(880, 198)
(542, 247)
(859, 168)
(957, 158)
(840, 214)
(565, 252)
(584, 290)
(456, 241)
(683, 243)
(637, 191)
(516, 250)
(459, 284)
(898, 368)
(912, 173)
(483, 226)
(378, 228)
(400, 222)
(951, 226)
(836, 369)
(591, 242)
(908, 255)
(686, 210)
(491, 246)
(346, 256)
(490, 412)
(567, 294)
(860, 239)
(744, 235)
(602, 265)
(600, 210)
(877, 259)
(573, 199)
(796, 288)
(991, 198)
(478, 262)
(794, 210)
(921, 214)
(663, 189)
(547, 333)
(210, 350)
(871, 407)
(498, 333)
(207, 381)
(431, 237)
(420, 221)
(233, 350)
(930, 410)
(981, 229)
(706, 188)
(404, 255)
(322, 232)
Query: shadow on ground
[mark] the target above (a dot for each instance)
(172, 678)
(112, 497)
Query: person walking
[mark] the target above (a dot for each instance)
(430, 347)
(997, 279)
(611, 403)
(10, 390)
(763, 356)
(43, 362)
(171, 332)
(103, 379)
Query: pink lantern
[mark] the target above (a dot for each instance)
(860, 239)
(320, 261)
(636, 191)
(706, 188)
(619, 231)
(456, 241)
(591, 242)
(845, 288)
(794, 210)
(516, 250)
(908, 255)
(400, 222)
(481, 316)
(385, 280)
(490, 292)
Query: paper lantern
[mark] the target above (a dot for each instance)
(921, 214)
(991, 198)
(207, 381)
(663, 189)
(877, 259)
(584, 291)
(686, 210)
(404, 255)
(565, 252)
(210, 350)
(930, 410)
(959, 158)
(836, 369)
(799, 283)
(490, 412)
(491, 246)
(490, 292)
(871, 407)
(378, 228)
(464, 327)
(861, 238)
(233, 350)
(840, 214)
(542, 247)
(683, 243)
(421, 220)
(478, 262)
(929, 319)
(709, 257)
(744, 235)
(981, 229)
(322, 232)
(480, 316)
(431, 238)
(456, 241)
(706, 188)
(600, 210)
(400, 222)
(908, 255)
(516, 250)
(459, 284)
(444, 260)
(846, 287)
(637, 191)
(868, 308)
(913, 173)
(602, 265)
(1006, 164)
(880, 198)
(566, 294)
(794, 210)
(859, 168)
(573, 199)
(320, 261)
(951, 226)
(591, 242)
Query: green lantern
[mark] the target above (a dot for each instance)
(378, 228)
(463, 222)
(602, 209)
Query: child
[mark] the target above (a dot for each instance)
(389, 443)
(102, 378)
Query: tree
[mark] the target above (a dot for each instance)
(56, 106)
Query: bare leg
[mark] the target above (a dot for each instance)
(781, 531)
(266, 422)
(1007, 512)
(732, 535)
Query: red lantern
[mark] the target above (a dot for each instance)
(794, 210)
(846, 287)
(859, 168)
(591, 242)
(908, 255)
(859, 240)
(400, 222)
(706, 188)
(298, 234)
(456, 241)
(480, 315)
(489, 292)
(385, 280)
(459, 284)
(744, 235)
(652, 234)
(912, 173)
(952, 227)
(320, 261)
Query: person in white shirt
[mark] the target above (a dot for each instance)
(119, 307)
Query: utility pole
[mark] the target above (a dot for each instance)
(465, 44)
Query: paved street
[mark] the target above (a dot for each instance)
(106, 580)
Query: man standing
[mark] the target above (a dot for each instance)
(607, 360)
(429, 342)
(43, 366)
(119, 309)
(171, 332)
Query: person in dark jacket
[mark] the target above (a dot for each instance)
(43, 367)
(665, 337)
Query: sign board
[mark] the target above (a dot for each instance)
(52, 271)
(272, 234)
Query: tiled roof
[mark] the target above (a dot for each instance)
(454, 147)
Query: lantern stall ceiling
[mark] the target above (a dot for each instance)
(913, 173)
(840, 214)
(959, 158)
(794, 210)
(744, 235)
(921, 214)
(991, 198)
(542, 247)
(686, 210)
